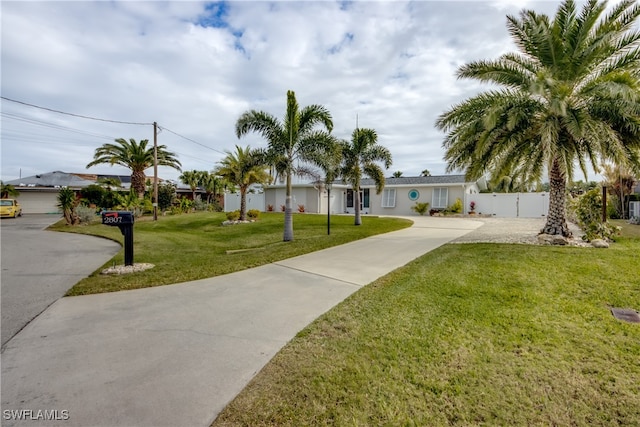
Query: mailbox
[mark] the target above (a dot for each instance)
(124, 221)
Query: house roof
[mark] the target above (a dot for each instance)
(51, 179)
(418, 180)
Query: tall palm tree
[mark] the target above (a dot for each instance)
(290, 140)
(570, 95)
(134, 156)
(360, 157)
(243, 168)
(192, 179)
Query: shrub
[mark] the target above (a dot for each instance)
(456, 207)
(283, 208)
(253, 213)
(269, 208)
(233, 215)
(301, 208)
(186, 205)
(587, 210)
(85, 214)
(433, 212)
(166, 195)
(420, 208)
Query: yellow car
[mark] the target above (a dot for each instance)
(10, 208)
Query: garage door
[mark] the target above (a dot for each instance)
(38, 202)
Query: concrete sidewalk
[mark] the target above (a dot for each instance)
(176, 355)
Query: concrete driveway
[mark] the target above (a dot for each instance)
(39, 266)
(176, 355)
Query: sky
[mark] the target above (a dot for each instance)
(195, 67)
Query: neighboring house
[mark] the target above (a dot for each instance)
(397, 198)
(39, 193)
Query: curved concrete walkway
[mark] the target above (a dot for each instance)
(176, 355)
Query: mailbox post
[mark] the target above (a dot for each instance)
(124, 221)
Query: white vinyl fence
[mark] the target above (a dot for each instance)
(254, 201)
(512, 205)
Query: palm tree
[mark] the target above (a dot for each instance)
(210, 184)
(290, 140)
(67, 202)
(192, 179)
(8, 190)
(134, 156)
(425, 173)
(243, 168)
(360, 157)
(619, 181)
(569, 96)
(397, 174)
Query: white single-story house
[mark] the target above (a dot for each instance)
(397, 198)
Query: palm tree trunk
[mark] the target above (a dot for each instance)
(288, 213)
(556, 218)
(356, 205)
(138, 179)
(243, 203)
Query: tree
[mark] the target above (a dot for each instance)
(8, 190)
(166, 195)
(67, 202)
(360, 157)
(243, 168)
(210, 183)
(425, 173)
(397, 174)
(619, 182)
(569, 96)
(192, 179)
(136, 157)
(289, 140)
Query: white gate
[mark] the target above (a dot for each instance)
(634, 209)
(512, 205)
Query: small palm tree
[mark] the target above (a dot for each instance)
(425, 173)
(397, 174)
(290, 140)
(569, 96)
(243, 168)
(8, 190)
(135, 156)
(67, 202)
(360, 157)
(192, 179)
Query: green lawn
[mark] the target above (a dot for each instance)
(472, 334)
(196, 246)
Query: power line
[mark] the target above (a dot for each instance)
(75, 115)
(191, 140)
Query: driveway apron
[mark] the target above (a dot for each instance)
(177, 355)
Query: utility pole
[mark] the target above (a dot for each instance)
(155, 171)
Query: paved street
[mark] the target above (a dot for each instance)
(39, 266)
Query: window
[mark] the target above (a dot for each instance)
(389, 198)
(440, 198)
(414, 195)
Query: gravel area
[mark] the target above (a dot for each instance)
(514, 230)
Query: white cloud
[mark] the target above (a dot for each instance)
(194, 67)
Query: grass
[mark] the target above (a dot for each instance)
(196, 246)
(473, 334)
